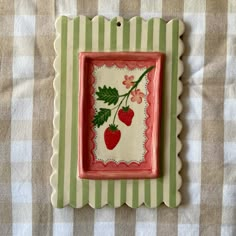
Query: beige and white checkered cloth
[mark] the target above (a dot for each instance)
(209, 121)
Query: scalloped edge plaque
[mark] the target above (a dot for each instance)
(82, 34)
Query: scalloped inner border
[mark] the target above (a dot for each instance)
(123, 161)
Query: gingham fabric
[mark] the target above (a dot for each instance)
(209, 121)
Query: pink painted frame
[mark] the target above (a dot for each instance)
(88, 166)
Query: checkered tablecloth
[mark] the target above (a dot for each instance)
(209, 121)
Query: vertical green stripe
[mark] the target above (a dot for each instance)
(74, 127)
(162, 36)
(98, 183)
(101, 33)
(138, 33)
(98, 193)
(61, 152)
(88, 41)
(147, 191)
(85, 195)
(174, 80)
(113, 34)
(122, 191)
(88, 47)
(135, 197)
(126, 34)
(150, 35)
(162, 48)
(111, 195)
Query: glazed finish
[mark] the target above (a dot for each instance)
(80, 35)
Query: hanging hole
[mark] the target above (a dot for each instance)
(118, 24)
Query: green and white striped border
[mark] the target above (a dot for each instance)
(99, 34)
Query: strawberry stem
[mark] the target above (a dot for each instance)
(117, 110)
(122, 95)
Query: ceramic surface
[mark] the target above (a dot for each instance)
(119, 114)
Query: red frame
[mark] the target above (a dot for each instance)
(91, 168)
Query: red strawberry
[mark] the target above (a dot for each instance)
(126, 115)
(112, 136)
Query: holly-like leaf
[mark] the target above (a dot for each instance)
(101, 117)
(108, 95)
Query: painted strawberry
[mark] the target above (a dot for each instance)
(112, 136)
(126, 115)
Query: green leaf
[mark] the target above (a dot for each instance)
(101, 117)
(108, 95)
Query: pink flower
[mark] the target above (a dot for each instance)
(128, 82)
(137, 96)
